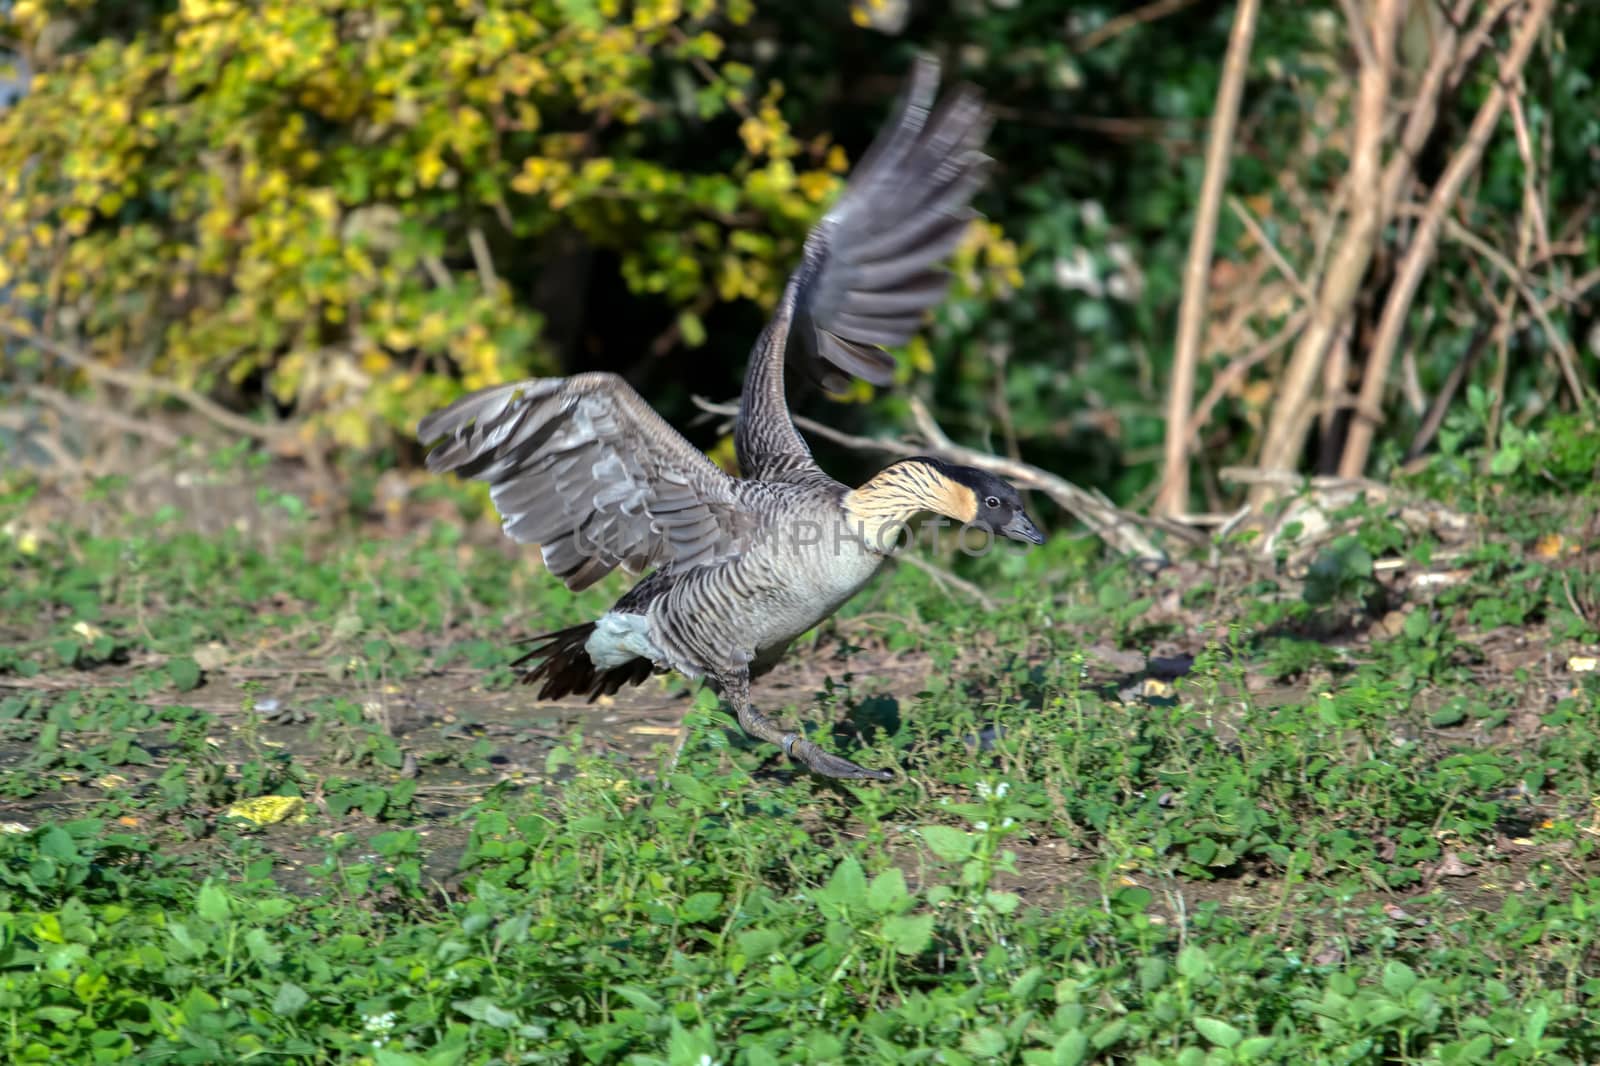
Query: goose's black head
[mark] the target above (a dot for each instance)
(996, 505)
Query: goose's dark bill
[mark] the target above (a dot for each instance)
(1021, 528)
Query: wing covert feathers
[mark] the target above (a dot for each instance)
(584, 468)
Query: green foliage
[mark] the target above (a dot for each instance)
(359, 213)
(1381, 861)
(346, 205)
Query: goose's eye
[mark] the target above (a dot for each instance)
(992, 501)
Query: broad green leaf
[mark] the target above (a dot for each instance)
(888, 891)
(1218, 1031)
(948, 843)
(909, 934)
(289, 999)
(212, 902)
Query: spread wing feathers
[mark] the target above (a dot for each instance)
(876, 259)
(584, 468)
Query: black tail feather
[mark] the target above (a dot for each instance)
(563, 664)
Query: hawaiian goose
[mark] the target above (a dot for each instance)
(583, 467)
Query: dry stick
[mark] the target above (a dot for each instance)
(102, 415)
(1425, 242)
(130, 380)
(1174, 495)
(1530, 174)
(1358, 34)
(1237, 369)
(1497, 385)
(1115, 27)
(1447, 60)
(482, 260)
(1107, 521)
(1335, 385)
(1288, 479)
(945, 579)
(1290, 421)
(1434, 418)
(1411, 382)
(1565, 354)
(1286, 432)
(1480, 36)
(1259, 235)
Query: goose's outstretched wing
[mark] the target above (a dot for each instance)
(584, 468)
(871, 268)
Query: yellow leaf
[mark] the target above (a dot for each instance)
(270, 810)
(430, 167)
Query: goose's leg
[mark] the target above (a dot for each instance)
(736, 690)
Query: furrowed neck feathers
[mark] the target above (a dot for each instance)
(900, 492)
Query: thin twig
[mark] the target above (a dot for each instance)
(1479, 36)
(1565, 354)
(681, 39)
(1434, 417)
(1237, 369)
(946, 579)
(438, 272)
(129, 379)
(1530, 174)
(1250, 475)
(98, 414)
(1174, 494)
(1425, 242)
(1259, 234)
(1425, 106)
(1359, 38)
(1116, 27)
(1502, 368)
(482, 260)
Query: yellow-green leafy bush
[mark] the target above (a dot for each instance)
(313, 196)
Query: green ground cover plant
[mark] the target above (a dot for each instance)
(1259, 809)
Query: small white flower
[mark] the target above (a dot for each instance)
(379, 1023)
(984, 791)
(981, 827)
(1001, 789)
(1078, 273)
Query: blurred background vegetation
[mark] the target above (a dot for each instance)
(330, 217)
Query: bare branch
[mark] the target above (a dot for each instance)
(945, 579)
(1174, 494)
(1434, 418)
(100, 415)
(1252, 224)
(1236, 370)
(1425, 241)
(1359, 38)
(482, 259)
(1565, 354)
(1116, 27)
(1443, 72)
(131, 380)
(1291, 418)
